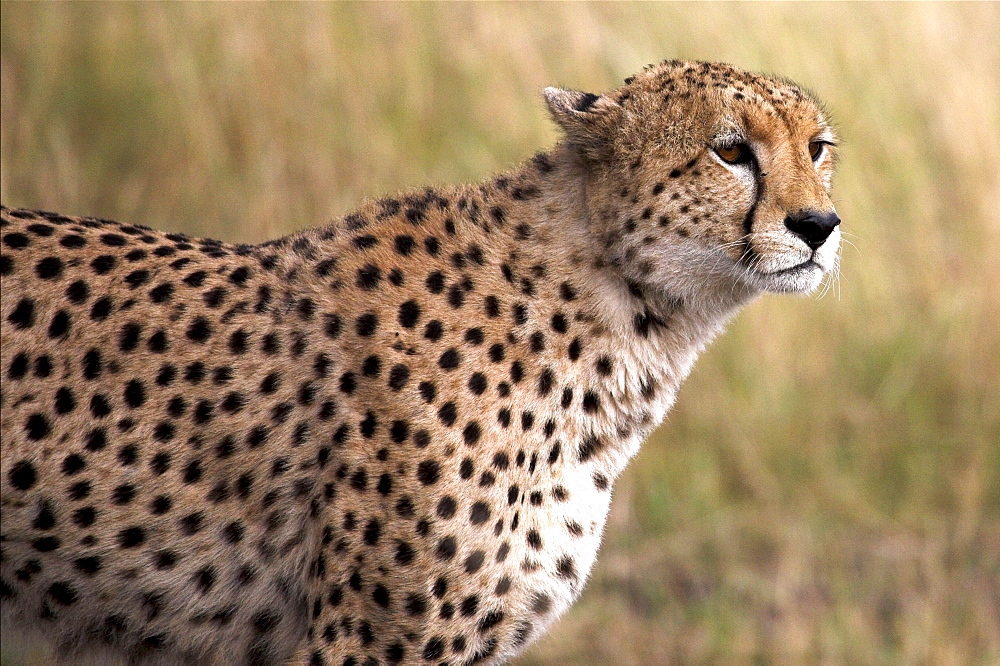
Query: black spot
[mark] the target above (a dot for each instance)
(516, 371)
(113, 240)
(135, 393)
(467, 469)
(193, 472)
(369, 277)
(492, 307)
(77, 292)
(398, 376)
(101, 308)
(199, 330)
(471, 433)
(240, 276)
(479, 513)
(590, 446)
(137, 278)
(49, 268)
(204, 579)
(395, 653)
(373, 530)
(435, 282)
(474, 561)
(478, 383)
(371, 366)
(380, 595)
(450, 359)
(448, 413)
(399, 431)
(128, 339)
(428, 391)
(233, 402)
(332, 326)
(591, 402)
(456, 297)
(404, 553)
(368, 425)
(18, 366)
(88, 565)
(43, 366)
(131, 537)
(23, 315)
(434, 648)
(45, 519)
(123, 494)
(16, 240)
(63, 593)
(366, 324)
(73, 241)
(73, 463)
(545, 382)
(404, 244)
(421, 439)
(432, 245)
(214, 297)
(92, 365)
(565, 567)
(446, 548)
(490, 620)
(470, 605)
(128, 454)
(520, 312)
(428, 472)
(103, 264)
(364, 242)
(96, 439)
(446, 507)
(434, 330)
(409, 313)
(37, 427)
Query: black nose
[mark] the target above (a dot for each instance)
(812, 226)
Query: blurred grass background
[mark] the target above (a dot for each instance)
(828, 487)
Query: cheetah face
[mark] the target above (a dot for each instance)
(715, 176)
(780, 174)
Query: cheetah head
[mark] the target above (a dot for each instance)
(703, 174)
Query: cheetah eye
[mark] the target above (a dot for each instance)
(816, 150)
(738, 153)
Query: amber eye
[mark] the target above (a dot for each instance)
(737, 153)
(816, 150)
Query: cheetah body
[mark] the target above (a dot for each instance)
(392, 438)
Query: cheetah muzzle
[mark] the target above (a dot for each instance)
(392, 438)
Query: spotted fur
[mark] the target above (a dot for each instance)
(392, 438)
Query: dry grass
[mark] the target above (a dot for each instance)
(828, 488)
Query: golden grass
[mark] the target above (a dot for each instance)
(828, 487)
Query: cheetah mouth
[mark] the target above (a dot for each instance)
(806, 266)
(802, 277)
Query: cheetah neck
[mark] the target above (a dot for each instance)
(654, 335)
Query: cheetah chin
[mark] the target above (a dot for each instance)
(391, 438)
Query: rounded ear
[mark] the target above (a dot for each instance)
(586, 118)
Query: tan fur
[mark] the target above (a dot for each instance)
(393, 437)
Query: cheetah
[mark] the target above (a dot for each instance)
(392, 438)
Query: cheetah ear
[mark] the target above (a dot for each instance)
(586, 118)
